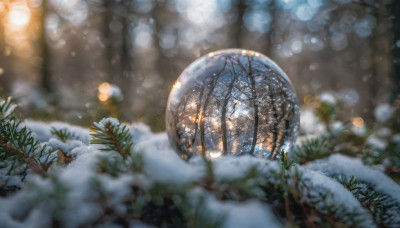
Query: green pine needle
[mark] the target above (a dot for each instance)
(380, 205)
(285, 161)
(62, 134)
(113, 136)
(18, 146)
(312, 149)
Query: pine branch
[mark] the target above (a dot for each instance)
(285, 161)
(19, 146)
(295, 194)
(240, 189)
(6, 108)
(21, 155)
(312, 149)
(64, 158)
(200, 216)
(62, 134)
(326, 112)
(112, 164)
(381, 206)
(113, 135)
(6, 189)
(136, 162)
(208, 180)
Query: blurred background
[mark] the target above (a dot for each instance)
(81, 60)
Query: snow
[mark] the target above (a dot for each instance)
(337, 127)
(328, 98)
(339, 164)
(251, 214)
(10, 180)
(383, 132)
(13, 210)
(309, 122)
(316, 193)
(232, 167)
(70, 198)
(383, 112)
(163, 164)
(140, 132)
(117, 190)
(359, 131)
(395, 139)
(351, 97)
(65, 147)
(42, 130)
(115, 93)
(75, 193)
(376, 142)
(9, 110)
(104, 121)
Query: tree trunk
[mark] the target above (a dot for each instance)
(237, 36)
(45, 66)
(107, 40)
(125, 50)
(395, 96)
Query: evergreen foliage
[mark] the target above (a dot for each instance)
(113, 136)
(118, 185)
(62, 134)
(312, 149)
(383, 207)
(19, 148)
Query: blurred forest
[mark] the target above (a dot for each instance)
(80, 60)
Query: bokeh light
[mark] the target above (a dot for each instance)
(105, 91)
(71, 47)
(358, 122)
(19, 14)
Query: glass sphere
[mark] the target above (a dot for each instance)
(232, 102)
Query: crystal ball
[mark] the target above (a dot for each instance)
(232, 102)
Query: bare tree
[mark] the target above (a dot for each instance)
(395, 96)
(238, 26)
(45, 63)
(117, 39)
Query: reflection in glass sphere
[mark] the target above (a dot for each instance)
(232, 102)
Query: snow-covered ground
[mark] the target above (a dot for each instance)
(71, 193)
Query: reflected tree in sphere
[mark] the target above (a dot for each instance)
(232, 102)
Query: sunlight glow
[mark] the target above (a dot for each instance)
(16, 21)
(220, 145)
(192, 105)
(358, 122)
(177, 85)
(105, 91)
(2, 6)
(214, 154)
(102, 97)
(19, 15)
(215, 122)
